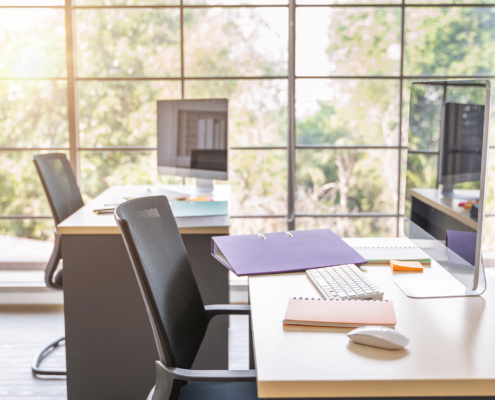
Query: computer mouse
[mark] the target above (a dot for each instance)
(379, 336)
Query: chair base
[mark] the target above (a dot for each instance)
(42, 354)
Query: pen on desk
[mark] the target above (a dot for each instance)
(104, 210)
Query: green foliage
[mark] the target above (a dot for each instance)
(233, 42)
(361, 39)
(450, 41)
(123, 42)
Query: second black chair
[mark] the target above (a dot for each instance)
(178, 317)
(64, 198)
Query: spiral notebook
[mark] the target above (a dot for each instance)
(380, 250)
(340, 313)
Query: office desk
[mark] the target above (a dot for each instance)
(109, 342)
(435, 213)
(452, 349)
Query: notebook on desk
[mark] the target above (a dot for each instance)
(379, 250)
(340, 313)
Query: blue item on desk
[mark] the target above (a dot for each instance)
(474, 212)
(463, 244)
(199, 208)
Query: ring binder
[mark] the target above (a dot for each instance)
(282, 252)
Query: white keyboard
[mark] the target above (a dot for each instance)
(344, 282)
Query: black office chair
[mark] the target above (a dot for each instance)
(64, 198)
(178, 317)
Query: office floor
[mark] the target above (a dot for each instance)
(23, 333)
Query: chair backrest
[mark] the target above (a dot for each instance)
(165, 277)
(60, 185)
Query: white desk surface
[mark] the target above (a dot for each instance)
(452, 349)
(86, 221)
(435, 199)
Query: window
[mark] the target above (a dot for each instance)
(318, 95)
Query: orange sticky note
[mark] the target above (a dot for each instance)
(406, 266)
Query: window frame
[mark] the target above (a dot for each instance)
(72, 79)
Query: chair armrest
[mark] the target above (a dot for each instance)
(193, 375)
(51, 266)
(227, 309)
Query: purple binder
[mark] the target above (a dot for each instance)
(282, 252)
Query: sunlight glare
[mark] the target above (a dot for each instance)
(21, 19)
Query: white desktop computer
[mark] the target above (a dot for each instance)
(193, 140)
(446, 164)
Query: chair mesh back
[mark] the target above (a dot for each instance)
(159, 256)
(60, 185)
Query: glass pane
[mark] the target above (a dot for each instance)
(403, 177)
(125, 2)
(351, 227)
(489, 242)
(347, 112)
(22, 192)
(346, 181)
(236, 2)
(32, 2)
(490, 186)
(33, 113)
(257, 109)
(121, 113)
(102, 169)
(422, 172)
(32, 43)
(347, 41)
(259, 182)
(247, 226)
(433, 144)
(449, 1)
(41, 229)
(137, 42)
(304, 2)
(406, 98)
(449, 41)
(241, 41)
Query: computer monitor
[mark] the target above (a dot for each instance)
(193, 140)
(447, 163)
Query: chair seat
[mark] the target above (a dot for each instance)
(219, 391)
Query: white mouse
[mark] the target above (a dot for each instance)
(379, 336)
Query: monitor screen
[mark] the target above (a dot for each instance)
(193, 138)
(446, 172)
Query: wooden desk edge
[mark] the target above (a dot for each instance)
(89, 230)
(399, 388)
(466, 221)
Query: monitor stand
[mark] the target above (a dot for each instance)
(435, 288)
(203, 186)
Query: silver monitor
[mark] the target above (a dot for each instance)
(193, 140)
(447, 164)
